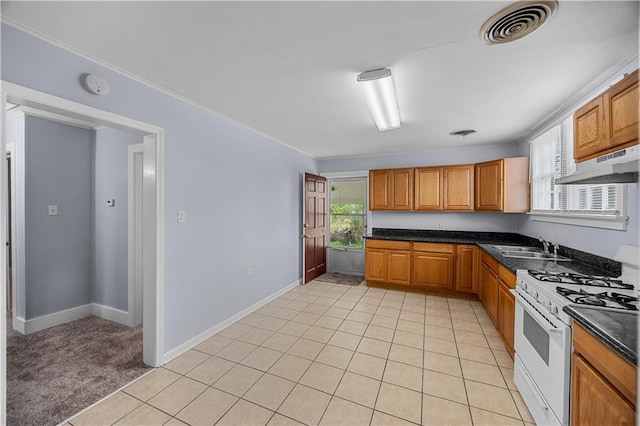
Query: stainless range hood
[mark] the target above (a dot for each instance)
(616, 167)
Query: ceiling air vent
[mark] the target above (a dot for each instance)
(463, 132)
(516, 21)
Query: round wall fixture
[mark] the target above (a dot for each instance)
(516, 21)
(96, 84)
(463, 132)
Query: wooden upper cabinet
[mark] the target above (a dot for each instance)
(391, 189)
(489, 178)
(444, 188)
(609, 122)
(621, 112)
(428, 188)
(379, 194)
(458, 187)
(588, 129)
(401, 189)
(502, 185)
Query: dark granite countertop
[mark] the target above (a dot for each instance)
(617, 329)
(584, 263)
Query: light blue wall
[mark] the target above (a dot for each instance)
(489, 222)
(110, 223)
(242, 191)
(59, 170)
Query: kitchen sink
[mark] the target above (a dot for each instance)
(533, 255)
(517, 248)
(527, 252)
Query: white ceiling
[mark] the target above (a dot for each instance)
(288, 69)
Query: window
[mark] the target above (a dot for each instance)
(347, 213)
(588, 205)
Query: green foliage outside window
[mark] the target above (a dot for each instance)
(347, 226)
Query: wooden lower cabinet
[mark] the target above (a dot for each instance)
(603, 383)
(433, 269)
(376, 264)
(467, 262)
(399, 267)
(506, 315)
(594, 401)
(489, 290)
(447, 269)
(388, 261)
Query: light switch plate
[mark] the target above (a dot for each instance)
(53, 210)
(182, 216)
(111, 202)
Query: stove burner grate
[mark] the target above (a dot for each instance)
(575, 278)
(609, 300)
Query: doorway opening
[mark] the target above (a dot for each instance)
(347, 225)
(148, 238)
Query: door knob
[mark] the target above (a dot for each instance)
(306, 225)
(306, 236)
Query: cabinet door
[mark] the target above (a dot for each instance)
(379, 196)
(489, 178)
(489, 291)
(621, 112)
(466, 272)
(458, 187)
(433, 270)
(375, 264)
(594, 401)
(399, 267)
(401, 189)
(506, 315)
(589, 130)
(428, 188)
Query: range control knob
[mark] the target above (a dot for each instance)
(523, 284)
(534, 294)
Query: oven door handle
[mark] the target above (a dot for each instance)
(542, 321)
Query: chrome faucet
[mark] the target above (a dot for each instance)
(545, 244)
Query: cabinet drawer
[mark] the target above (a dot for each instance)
(389, 244)
(434, 247)
(612, 366)
(507, 276)
(489, 261)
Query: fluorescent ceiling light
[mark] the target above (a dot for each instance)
(380, 95)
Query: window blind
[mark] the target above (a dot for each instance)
(551, 158)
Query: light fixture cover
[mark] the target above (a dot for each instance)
(380, 95)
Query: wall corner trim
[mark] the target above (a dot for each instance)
(179, 350)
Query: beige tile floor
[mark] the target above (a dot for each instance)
(333, 355)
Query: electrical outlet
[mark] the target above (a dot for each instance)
(182, 216)
(250, 271)
(53, 210)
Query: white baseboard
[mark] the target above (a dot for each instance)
(56, 318)
(111, 314)
(51, 320)
(179, 350)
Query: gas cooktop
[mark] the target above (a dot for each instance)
(605, 299)
(580, 279)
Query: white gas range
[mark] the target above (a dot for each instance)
(542, 370)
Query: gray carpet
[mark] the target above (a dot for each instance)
(54, 373)
(333, 277)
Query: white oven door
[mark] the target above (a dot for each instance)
(543, 348)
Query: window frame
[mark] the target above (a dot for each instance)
(586, 218)
(366, 214)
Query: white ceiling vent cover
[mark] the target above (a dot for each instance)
(516, 21)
